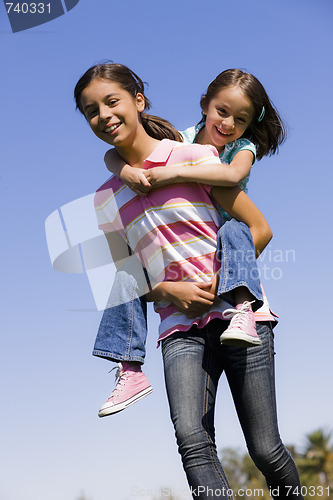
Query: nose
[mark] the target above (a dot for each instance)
(104, 112)
(228, 122)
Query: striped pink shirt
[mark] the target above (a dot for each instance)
(173, 229)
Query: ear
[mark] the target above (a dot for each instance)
(203, 103)
(140, 102)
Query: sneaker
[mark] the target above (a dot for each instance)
(131, 386)
(242, 329)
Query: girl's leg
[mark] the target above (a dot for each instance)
(191, 378)
(122, 331)
(239, 270)
(250, 373)
(239, 283)
(121, 337)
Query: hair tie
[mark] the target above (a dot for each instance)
(261, 117)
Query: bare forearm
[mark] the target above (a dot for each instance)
(162, 291)
(237, 204)
(214, 175)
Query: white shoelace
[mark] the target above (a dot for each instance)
(118, 379)
(231, 313)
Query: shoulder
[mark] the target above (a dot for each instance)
(234, 147)
(190, 133)
(103, 192)
(195, 151)
(107, 184)
(243, 144)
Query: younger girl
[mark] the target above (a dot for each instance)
(239, 119)
(181, 224)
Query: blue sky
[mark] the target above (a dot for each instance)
(52, 443)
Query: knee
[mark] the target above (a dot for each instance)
(193, 438)
(188, 433)
(269, 459)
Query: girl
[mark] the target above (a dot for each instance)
(179, 220)
(239, 120)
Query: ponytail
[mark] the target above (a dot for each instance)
(158, 128)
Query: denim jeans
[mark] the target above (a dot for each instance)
(193, 364)
(236, 252)
(123, 329)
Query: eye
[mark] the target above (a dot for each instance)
(241, 120)
(91, 113)
(112, 102)
(222, 111)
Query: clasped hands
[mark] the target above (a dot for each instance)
(142, 181)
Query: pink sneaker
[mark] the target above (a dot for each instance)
(131, 386)
(242, 329)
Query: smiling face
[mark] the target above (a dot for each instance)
(228, 114)
(112, 113)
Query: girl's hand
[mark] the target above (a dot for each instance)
(135, 179)
(192, 299)
(161, 176)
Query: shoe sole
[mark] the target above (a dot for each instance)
(122, 406)
(239, 341)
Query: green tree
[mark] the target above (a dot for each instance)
(315, 463)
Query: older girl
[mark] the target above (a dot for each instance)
(112, 100)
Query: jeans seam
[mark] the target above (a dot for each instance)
(131, 319)
(116, 357)
(223, 263)
(209, 439)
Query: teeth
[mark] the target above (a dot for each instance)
(112, 128)
(223, 133)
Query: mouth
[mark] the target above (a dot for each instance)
(112, 128)
(223, 134)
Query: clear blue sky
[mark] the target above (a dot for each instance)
(53, 446)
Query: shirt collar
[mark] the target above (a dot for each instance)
(162, 151)
(197, 128)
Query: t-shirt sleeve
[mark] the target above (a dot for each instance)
(107, 211)
(243, 145)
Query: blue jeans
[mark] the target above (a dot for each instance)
(193, 364)
(123, 329)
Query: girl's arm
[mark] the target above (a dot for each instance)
(214, 175)
(119, 249)
(237, 204)
(133, 177)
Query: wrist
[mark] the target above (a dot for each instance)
(181, 174)
(160, 292)
(123, 171)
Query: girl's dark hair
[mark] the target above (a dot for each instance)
(156, 127)
(267, 134)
